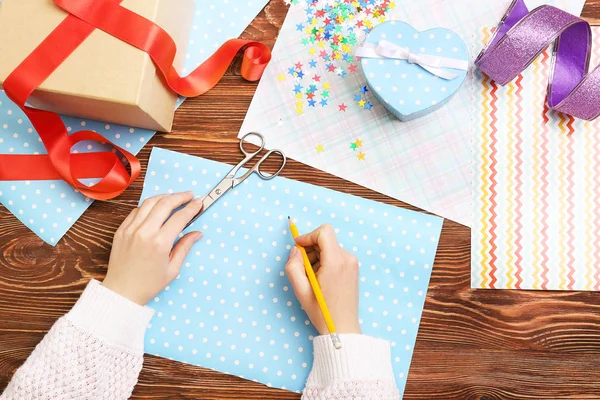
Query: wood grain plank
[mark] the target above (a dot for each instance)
(473, 344)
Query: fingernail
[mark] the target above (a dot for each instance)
(199, 235)
(294, 251)
(198, 200)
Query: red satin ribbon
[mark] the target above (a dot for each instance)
(108, 15)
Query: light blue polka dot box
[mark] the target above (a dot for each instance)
(413, 73)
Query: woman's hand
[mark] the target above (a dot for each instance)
(143, 259)
(337, 273)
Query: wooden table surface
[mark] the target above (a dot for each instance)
(472, 344)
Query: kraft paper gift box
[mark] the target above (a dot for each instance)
(105, 79)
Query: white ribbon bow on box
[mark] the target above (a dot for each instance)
(433, 64)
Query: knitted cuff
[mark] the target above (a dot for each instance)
(111, 317)
(361, 357)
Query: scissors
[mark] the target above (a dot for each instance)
(230, 181)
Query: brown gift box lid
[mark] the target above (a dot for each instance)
(105, 79)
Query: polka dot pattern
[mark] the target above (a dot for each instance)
(405, 89)
(50, 208)
(215, 22)
(232, 307)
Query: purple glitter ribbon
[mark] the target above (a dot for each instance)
(522, 36)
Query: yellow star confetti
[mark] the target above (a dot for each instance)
(326, 85)
(361, 156)
(358, 143)
(312, 51)
(281, 77)
(361, 103)
(320, 148)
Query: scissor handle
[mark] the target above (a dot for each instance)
(265, 157)
(243, 139)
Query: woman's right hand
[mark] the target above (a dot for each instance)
(337, 273)
(143, 259)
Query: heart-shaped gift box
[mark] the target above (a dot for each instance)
(413, 73)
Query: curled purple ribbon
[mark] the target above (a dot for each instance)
(522, 36)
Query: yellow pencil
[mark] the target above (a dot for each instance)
(312, 278)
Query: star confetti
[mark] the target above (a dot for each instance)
(309, 90)
(330, 33)
(335, 27)
(356, 144)
(361, 99)
(320, 148)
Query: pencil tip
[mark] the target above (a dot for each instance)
(290, 218)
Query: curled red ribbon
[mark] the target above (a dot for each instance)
(84, 17)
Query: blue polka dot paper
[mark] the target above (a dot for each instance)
(215, 22)
(232, 308)
(407, 90)
(50, 208)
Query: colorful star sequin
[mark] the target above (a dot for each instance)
(330, 32)
(309, 90)
(356, 145)
(362, 100)
(333, 28)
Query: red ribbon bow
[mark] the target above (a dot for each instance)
(84, 17)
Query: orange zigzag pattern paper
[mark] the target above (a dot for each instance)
(535, 177)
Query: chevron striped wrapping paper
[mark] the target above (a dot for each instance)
(536, 175)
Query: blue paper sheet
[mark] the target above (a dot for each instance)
(232, 307)
(50, 208)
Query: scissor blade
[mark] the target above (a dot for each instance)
(222, 187)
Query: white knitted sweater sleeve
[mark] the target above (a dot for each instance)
(96, 352)
(360, 370)
(93, 352)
